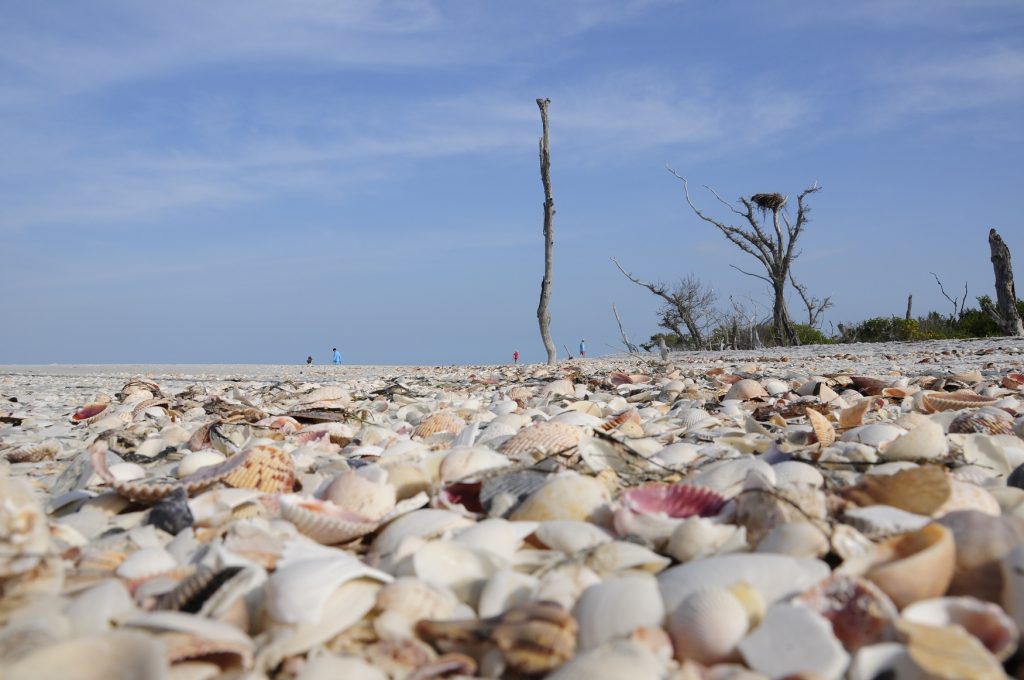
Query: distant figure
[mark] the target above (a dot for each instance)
(583, 349)
(663, 348)
(309, 361)
(515, 357)
(337, 356)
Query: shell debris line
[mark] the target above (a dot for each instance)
(839, 511)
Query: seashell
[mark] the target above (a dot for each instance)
(773, 576)
(450, 564)
(697, 537)
(94, 657)
(619, 556)
(354, 492)
(570, 536)
(300, 588)
(325, 522)
(127, 472)
(420, 524)
(745, 390)
(791, 472)
(799, 539)
(1011, 573)
(437, 423)
(34, 453)
(879, 521)
(693, 418)
(914, 566)
(328, 393)
(860, 613)
(919, 490)
(565, 583)
(622, 659)
(884, 660)
(559, 388)
(146, 562)
(728, 477)
(520, 394)
(407, 600)
(266, 468)
(926, 441)
(852, 416)
(968, 496)
(505, 589)
(823, 430)
(761, 510)
(982, 541)
(652, 511)
(533, 639)
(497, 537)
(463, 462)
(949, 652)
(794, 640)
(707, 626)
(983, 620)
(987, 420)
(196, 460)
(953, 401)
(775, 387)
(99, 607)
(329, 667)
(171, 513)
(567, 496)
(542, 440)
(91, 412)
(615, 608)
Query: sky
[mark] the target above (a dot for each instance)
(256, 181)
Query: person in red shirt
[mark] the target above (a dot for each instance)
(515, 357)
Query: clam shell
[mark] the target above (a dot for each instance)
(798, 539)
(570, 536)
(542, 440)
(914, 566)
(567, 496)
(926, 441)
(354, 492)
(950, 652)
(299, 589)
(707, 626)
(463, 462)
(615, 608)
(324, 521)
(746, 389)
(985, 420)
(91, 412)
(192, 463)
(983, 620)
(266, 468)
(697, 537)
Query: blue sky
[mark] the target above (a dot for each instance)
(256, 181)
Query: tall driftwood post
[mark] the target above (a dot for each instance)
(1005, 313)
(543, 313)
(910, 304)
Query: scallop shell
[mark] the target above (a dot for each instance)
(653, 511)
(693, 418)
(953, 401)
(91, 412)
(615, 608)
(983, 620)
(823, 430)
(354, 492)
(707, 626)
(438, 422)
(34, 453)
(520, 394)
(985, 420)
(542, 440)
(950, 652)
(914, 566)
(746, 389)
(324, 521)
(266, 468)
(919, 490)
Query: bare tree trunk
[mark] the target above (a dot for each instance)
(782, 324)
(910, 304)
(543, 313)
(630, 347)
(1005, 314)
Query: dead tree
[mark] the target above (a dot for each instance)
(774, 249)
(630, 347)
(910, 305)
(957, 302)
(688, 306)
(543, 313)
(1005, 313)
(815, 307)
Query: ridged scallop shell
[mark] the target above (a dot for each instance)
(438, 422)
(266, 468)
(324, 521)
(34, 453)
(694, 418)
(746, 389)
(984, 620)
(920, 490)
(823, 430)
(707, 626)
(91, 412)
(985, 420)
(627, 422)
(542, 440)
(953, 401)
(673, 500)
(520, 394)
(141, 406)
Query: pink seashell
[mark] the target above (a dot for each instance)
(860, 613)
(89, 412)
(675, 500)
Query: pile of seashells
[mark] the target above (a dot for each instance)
(854, 514)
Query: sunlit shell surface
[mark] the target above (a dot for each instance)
(266, 468)
(438, 422)
(954, 401)
(324, 521)
(541, 440)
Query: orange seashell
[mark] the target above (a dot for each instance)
(916, 565)
(954, 401)
(920, 490)
(438, 422)
(823, 429)
(267, 468)
(854, 415)
(628, 416)
(1013, 380)
(987, 420)
(542, 440)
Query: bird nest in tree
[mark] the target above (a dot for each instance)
(768, 202)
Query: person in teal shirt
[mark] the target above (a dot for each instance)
(337, 356)
(583, 348)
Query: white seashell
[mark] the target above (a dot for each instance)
(698, 537)
(353, 491)
(678, 455)
(127, 472)
(570, 536)
(1012, 597)
(795, 640)
(622, 659)
(983, 620)
(497, 537)
(425, 523)
(693, 418)
(100, 607)
(505, 589)
(408, 600)
(775, 387)
(708, 625)
(213, 508)
(94, 657)
(146, 562)
(794, 472)
(615, 608)
(926, 441)
(797, 539)
(460, 463)
(886, 659)
(875, 434)
(331, 667)
(728, 477)
(618, 556)
(461, 568)
(879, 521)
(198, 459)
(773, 576)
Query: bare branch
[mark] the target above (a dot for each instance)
(815, 307)
(630, 347)
(958, 305)
(756, 276)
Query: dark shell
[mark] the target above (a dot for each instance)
(171, 513)
(190, 595)
(510, 489)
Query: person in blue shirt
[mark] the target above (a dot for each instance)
(337, 356)
(583, 349)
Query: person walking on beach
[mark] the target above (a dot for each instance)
(583, 349)
(515, 357)
(309, 361)
(337, 356)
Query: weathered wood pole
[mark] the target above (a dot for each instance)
(1005, 313)
(910, 304)
(543, 313)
